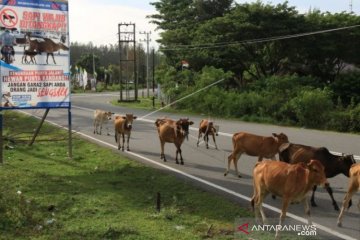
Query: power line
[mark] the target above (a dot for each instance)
(259, 40)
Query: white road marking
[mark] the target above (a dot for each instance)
(277, 210)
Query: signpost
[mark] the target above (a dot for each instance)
(45, 82)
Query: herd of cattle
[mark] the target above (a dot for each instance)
(300, 169)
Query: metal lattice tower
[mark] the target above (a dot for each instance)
(127, 57)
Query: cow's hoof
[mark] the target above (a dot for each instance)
(182, 163)
(336, 207)
(122, 149)
(239, 176)
(273, 196)
(225, 174)
(108, 134)
(339, 224)
(313, 204)
(177, 162)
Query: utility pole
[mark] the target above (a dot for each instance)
(351, 6)
(147, 40)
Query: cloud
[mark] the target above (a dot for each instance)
(98, 23)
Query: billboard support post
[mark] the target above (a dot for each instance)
(1, 137)
(39, 127)
(70, 132)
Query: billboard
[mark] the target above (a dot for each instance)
(36, 74)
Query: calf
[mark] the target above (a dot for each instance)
(101, 117)
(123, 126)
(354, 186)
(31, 54)
(207, 128)
(173, 132)
(292, 182)
(333, 164)
(254, 145)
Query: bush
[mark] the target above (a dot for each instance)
(312, 107)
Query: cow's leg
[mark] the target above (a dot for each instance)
(234, 156)
(118, 135)
(178, 151)
(107, 129)
(199, 136)
(313, 204)
(181, 158)
(352, 189)
(162, 155)
(236, 167)
(123, 138)
(128, 139)
(260, 158)
(284, 208)
(307, 209)
(213, 136)
(101, 123)
(206, 139)
(53, 57)
(95, 130)
(329, 190)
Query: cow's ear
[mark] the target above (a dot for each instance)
(275, 135)
(135, 117)
(123, 117)
(309, 165)
(191, 123)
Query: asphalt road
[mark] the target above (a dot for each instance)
(205, 167)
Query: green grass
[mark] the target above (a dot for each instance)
(98, 194)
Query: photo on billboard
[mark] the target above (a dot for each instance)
(35, 58)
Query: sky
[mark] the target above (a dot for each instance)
(97, 21)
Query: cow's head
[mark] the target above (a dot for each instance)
(346, 162)
(108, 115)
(213, 127)
(317, 173)
(129, 118)
(281, 138)
(183, 125)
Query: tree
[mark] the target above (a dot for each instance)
(88, 61)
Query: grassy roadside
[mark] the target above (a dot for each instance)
(97, 195)
(100, 194)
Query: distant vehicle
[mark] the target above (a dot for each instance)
(38, 34)
(18, 33)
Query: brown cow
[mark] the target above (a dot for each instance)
(101, 117)
(46, 45)
(123, 126)
(292, 182)
(354, 186)
(334, 165)
(173, 132)
(254, 145)
(207, 128)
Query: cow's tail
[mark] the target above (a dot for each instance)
(234, 147)
(116, 135)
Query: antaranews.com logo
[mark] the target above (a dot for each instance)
(249, 228)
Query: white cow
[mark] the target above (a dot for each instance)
(101, 117)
